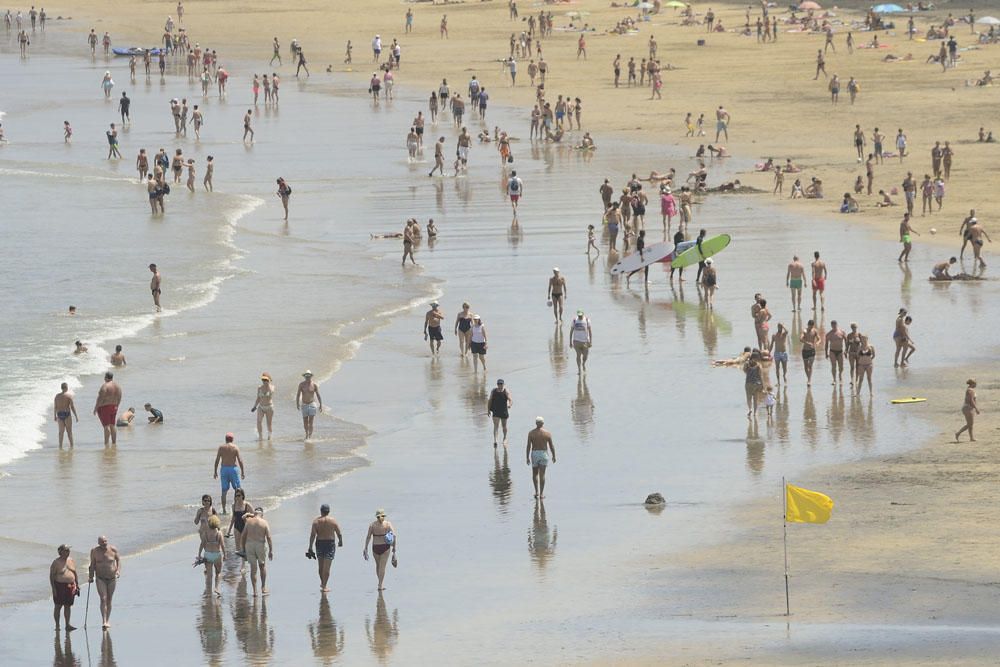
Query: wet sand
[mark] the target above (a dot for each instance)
(464, 529)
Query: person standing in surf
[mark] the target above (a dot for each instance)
(308, 399)
(109, 397)
(63, 407)
(581, 338)
(809, 339)
(463, 328)
(154, 286)
(819, 276)
(284, 193)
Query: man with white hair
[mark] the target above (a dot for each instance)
(537, 455)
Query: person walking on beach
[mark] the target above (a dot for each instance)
(256, 546)
(976, 233)
(901, 145)
(209, 170)
(432, 327)
(112, 135)
(229, 456)
(809, 339)
(820, 66)
(408, 241)
(106, 568)
(284, 193)
(515, 189)
(498, 408)
(301, 65)
(65, 585)
(834, 351)
(537, 455)
(794, 280)
(264, 405)
(63, 407)
(309, 400)
(438, 154)
(819, 276)
(557, 293)
(779, 353)
(753, 382)
(581, 338)
(109, 397)
(969, 409)
(123, 108)
(904, 237)
(324, 530)
(382, 537)
(154, 286)
(246, 126)
(211, 552)
(478, 343)
(463, 328)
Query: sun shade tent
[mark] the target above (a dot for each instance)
(989, 20)
(888, 9)
(809, 4)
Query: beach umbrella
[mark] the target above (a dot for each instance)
(888, 9)
(675, 4)
(644, 5)
(989, 20)
(809, 4)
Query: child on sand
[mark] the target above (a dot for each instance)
(769, 401)
(591, 240)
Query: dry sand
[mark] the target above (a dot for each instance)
(907, 542)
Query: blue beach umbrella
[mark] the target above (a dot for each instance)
(888, 9)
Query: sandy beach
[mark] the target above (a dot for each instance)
(487, 571)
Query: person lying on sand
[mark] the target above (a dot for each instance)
(730, 186)
(767, 166)
(891, 58)
(657, 176)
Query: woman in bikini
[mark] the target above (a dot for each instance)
(213, 546)
(204, 513)
(866, 359)
(382, 536)
(968, 408)
(463, 324)
(264, 405)
(240, 507)
(899, 337)
(761, 320)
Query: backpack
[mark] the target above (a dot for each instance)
(514, 185)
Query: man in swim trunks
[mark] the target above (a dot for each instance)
(834, 345)
(63, 407)
(432, 327)
(106, 567)
(308, 399)
(794, 279)
(228, 455)
(722, 119)
(118, 358)
(109, 396)
(963, 231)
(257, 547)
(537, 455)
(819, 274)
(940, 272)
(155, 416)
(154, 286)
(65, 585)
(324, 530)
(976, 234)
(557, 293)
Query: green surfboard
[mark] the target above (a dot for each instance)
(709, 247)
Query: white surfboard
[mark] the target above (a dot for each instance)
(652, 254)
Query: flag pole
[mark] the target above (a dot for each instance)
(784, 532)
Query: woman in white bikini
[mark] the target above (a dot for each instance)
(264, 405)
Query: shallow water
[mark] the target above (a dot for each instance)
(650, 414)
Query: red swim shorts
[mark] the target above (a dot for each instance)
(108, 414)
(514, 198)
(819, 284)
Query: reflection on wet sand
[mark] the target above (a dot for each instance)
(862, 422)
(557, 351)
(541, 541)
(500, 480)
(810, 430)
(755, 448)
(384, 632)
(709, 332)
(906, 285)
(475, 395)
(326, 638)
(582, 409)
(836, 414)
(107, 650)
(63, 652)
(211, 631)
(781, 414)
(514, 234)
(255, 637)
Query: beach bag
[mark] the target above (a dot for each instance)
(390, 538)
(510, 158)
(166, 188)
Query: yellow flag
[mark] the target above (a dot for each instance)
(805, 506)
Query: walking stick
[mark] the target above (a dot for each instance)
(86, 613)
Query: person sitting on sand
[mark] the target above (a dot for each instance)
(940, 271)
(790, 168)
(718, 151)
(125, 419)
(797, 190)
(886, 201)
(587, 143)
(859, 185)
(982, 135)
(850, 204)
(484, 137)
(989, 138)
(700, 153)
(815, 189)
(987, 79)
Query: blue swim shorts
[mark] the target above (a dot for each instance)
(230, 478)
